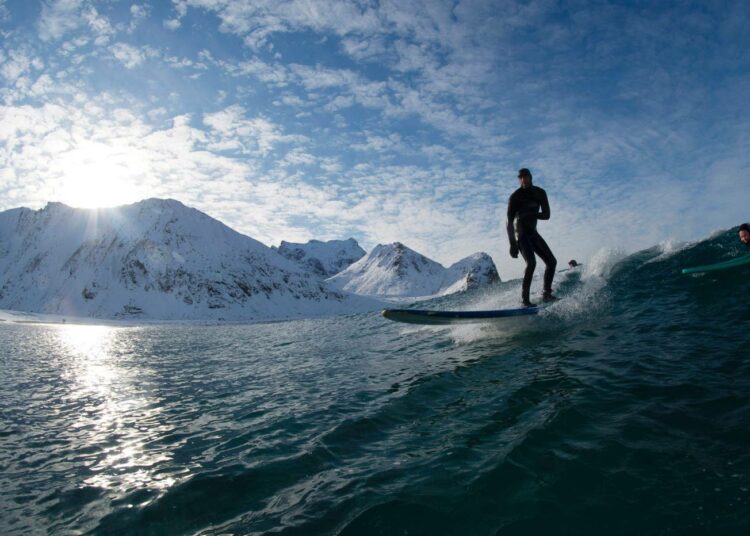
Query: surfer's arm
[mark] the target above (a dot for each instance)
(509, 224)
(545, 213)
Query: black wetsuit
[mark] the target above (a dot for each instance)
(525, 207)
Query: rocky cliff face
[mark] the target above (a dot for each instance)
(323, 258)
(156, 259)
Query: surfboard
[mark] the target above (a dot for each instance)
(739, 261)
(430, 317)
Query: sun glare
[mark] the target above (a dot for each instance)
(119, 419)
(96, 176)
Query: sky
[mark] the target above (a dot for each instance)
(386, 120)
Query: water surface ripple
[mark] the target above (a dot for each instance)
(624, 411)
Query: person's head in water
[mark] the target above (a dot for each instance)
(572, 263)
(524, 175)
(745, 234)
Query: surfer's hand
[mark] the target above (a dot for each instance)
(514, 251)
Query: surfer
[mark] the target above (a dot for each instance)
(525, 206)
(572, 263)
(745, 234)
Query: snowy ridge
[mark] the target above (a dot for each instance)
(394, 270)
(323, 258)
(156, 259)
(470, 272)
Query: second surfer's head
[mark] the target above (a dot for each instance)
(745, 233)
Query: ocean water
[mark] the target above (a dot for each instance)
(623, 409)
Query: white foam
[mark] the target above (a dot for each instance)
(602, 263)
(668, 248)
(462, 334)
(508, 297)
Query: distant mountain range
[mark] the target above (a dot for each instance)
(158, 259)
(394, 270)
(323, 258)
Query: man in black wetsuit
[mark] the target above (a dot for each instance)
(525, 206)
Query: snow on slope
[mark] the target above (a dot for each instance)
(473, 271)
(394, 270)
(156, 259)
(323, 258)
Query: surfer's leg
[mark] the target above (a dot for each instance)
(542, 249)
(527, 251)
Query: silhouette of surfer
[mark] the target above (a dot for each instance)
(525, 206)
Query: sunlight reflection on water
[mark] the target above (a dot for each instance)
(116, 419)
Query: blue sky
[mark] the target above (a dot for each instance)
(386, 121)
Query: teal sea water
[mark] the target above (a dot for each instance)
(623, 409)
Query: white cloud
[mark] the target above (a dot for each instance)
(18, 63)
(412, 57)
(340, 102)
(100, 26)
(172, 24)
(257, 21)
(138, 14)
(273, 75)
(44, 85)
(322, 78)
(364, 48)
(291, 101)
(129, 56)
(180, 7)
(179, 62)
(379, 144)
(298, 157)
(59, 17)
(233, 131)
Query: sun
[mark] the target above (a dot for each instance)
(97, 175)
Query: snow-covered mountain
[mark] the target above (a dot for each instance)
(394, 270)
(471, 272)
(156, 259)
(323, 258)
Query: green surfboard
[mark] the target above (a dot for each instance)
(739, 261)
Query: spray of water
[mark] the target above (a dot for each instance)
(582, 292)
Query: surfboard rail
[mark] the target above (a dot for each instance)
(432, 317)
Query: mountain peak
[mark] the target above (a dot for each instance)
(324, 259)
(396, 270)
(56, 206)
